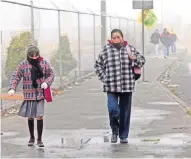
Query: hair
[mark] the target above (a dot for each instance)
(116, 31)
(32, 50)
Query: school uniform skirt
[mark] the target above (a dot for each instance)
(32, 109)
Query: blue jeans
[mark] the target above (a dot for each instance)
(173, 47)
(166, 50)
(119, 107)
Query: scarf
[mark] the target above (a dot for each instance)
(118, 46)
(36, 71)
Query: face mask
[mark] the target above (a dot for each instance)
(33, 62)
(117, 45)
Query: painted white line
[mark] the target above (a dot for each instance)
(163, 103)
(189, 67)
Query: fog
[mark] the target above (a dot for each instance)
(15, 19)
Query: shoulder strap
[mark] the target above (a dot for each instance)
(128, 49)
(129, 52)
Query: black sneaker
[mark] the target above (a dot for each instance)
(114, 138)
(124, 141)
(31, 142)
(40, 144)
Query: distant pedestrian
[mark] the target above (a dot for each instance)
(155, 38)
(166, 41)
(115, 68)
(174, 39)
(37, 75)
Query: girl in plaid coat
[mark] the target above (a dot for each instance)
(114, 68)
(37, 75)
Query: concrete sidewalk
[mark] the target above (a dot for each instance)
(76, 124)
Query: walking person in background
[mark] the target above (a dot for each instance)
(166, 41)
(114, 68)
(174, 39)
(37, 75)
(155, 38)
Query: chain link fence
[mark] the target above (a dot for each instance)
(70, 43)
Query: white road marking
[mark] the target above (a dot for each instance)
(163, 103)
(189, 67)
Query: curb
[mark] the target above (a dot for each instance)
(72, 82)
(183, 105)
(158, 77)
(79, 79)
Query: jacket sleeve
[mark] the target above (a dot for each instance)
(139, 60)
(49, 74)
(162, 38)
(100, 68)
(16, 77)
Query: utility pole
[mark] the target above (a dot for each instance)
(142, 4)
(143, 41)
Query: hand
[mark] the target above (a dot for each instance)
(44, 85)
(11, 92)
(132, 57)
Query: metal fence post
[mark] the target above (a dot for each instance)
(103, 23)
(1, 51)
(94, 35)
(79, 46)
(127, 28)
(59, 46)
(32, 22)
(119, 23)
(110, 23)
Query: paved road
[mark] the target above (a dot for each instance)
(181, 76)
(159, 128)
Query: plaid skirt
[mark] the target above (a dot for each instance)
(32, 109)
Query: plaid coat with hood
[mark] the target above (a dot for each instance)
(24, 72)
(114, 68)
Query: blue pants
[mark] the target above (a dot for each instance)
(119, 107)
(166, 50)
(173, 47)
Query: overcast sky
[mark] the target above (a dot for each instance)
(12, 16)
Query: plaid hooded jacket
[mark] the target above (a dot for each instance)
(24, 71)
(114, 68)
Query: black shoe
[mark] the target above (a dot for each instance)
(40, 144)
(31, 142)
(124, 141)
(114, 138)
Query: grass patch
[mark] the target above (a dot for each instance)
(173, 90)
(189, 112)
